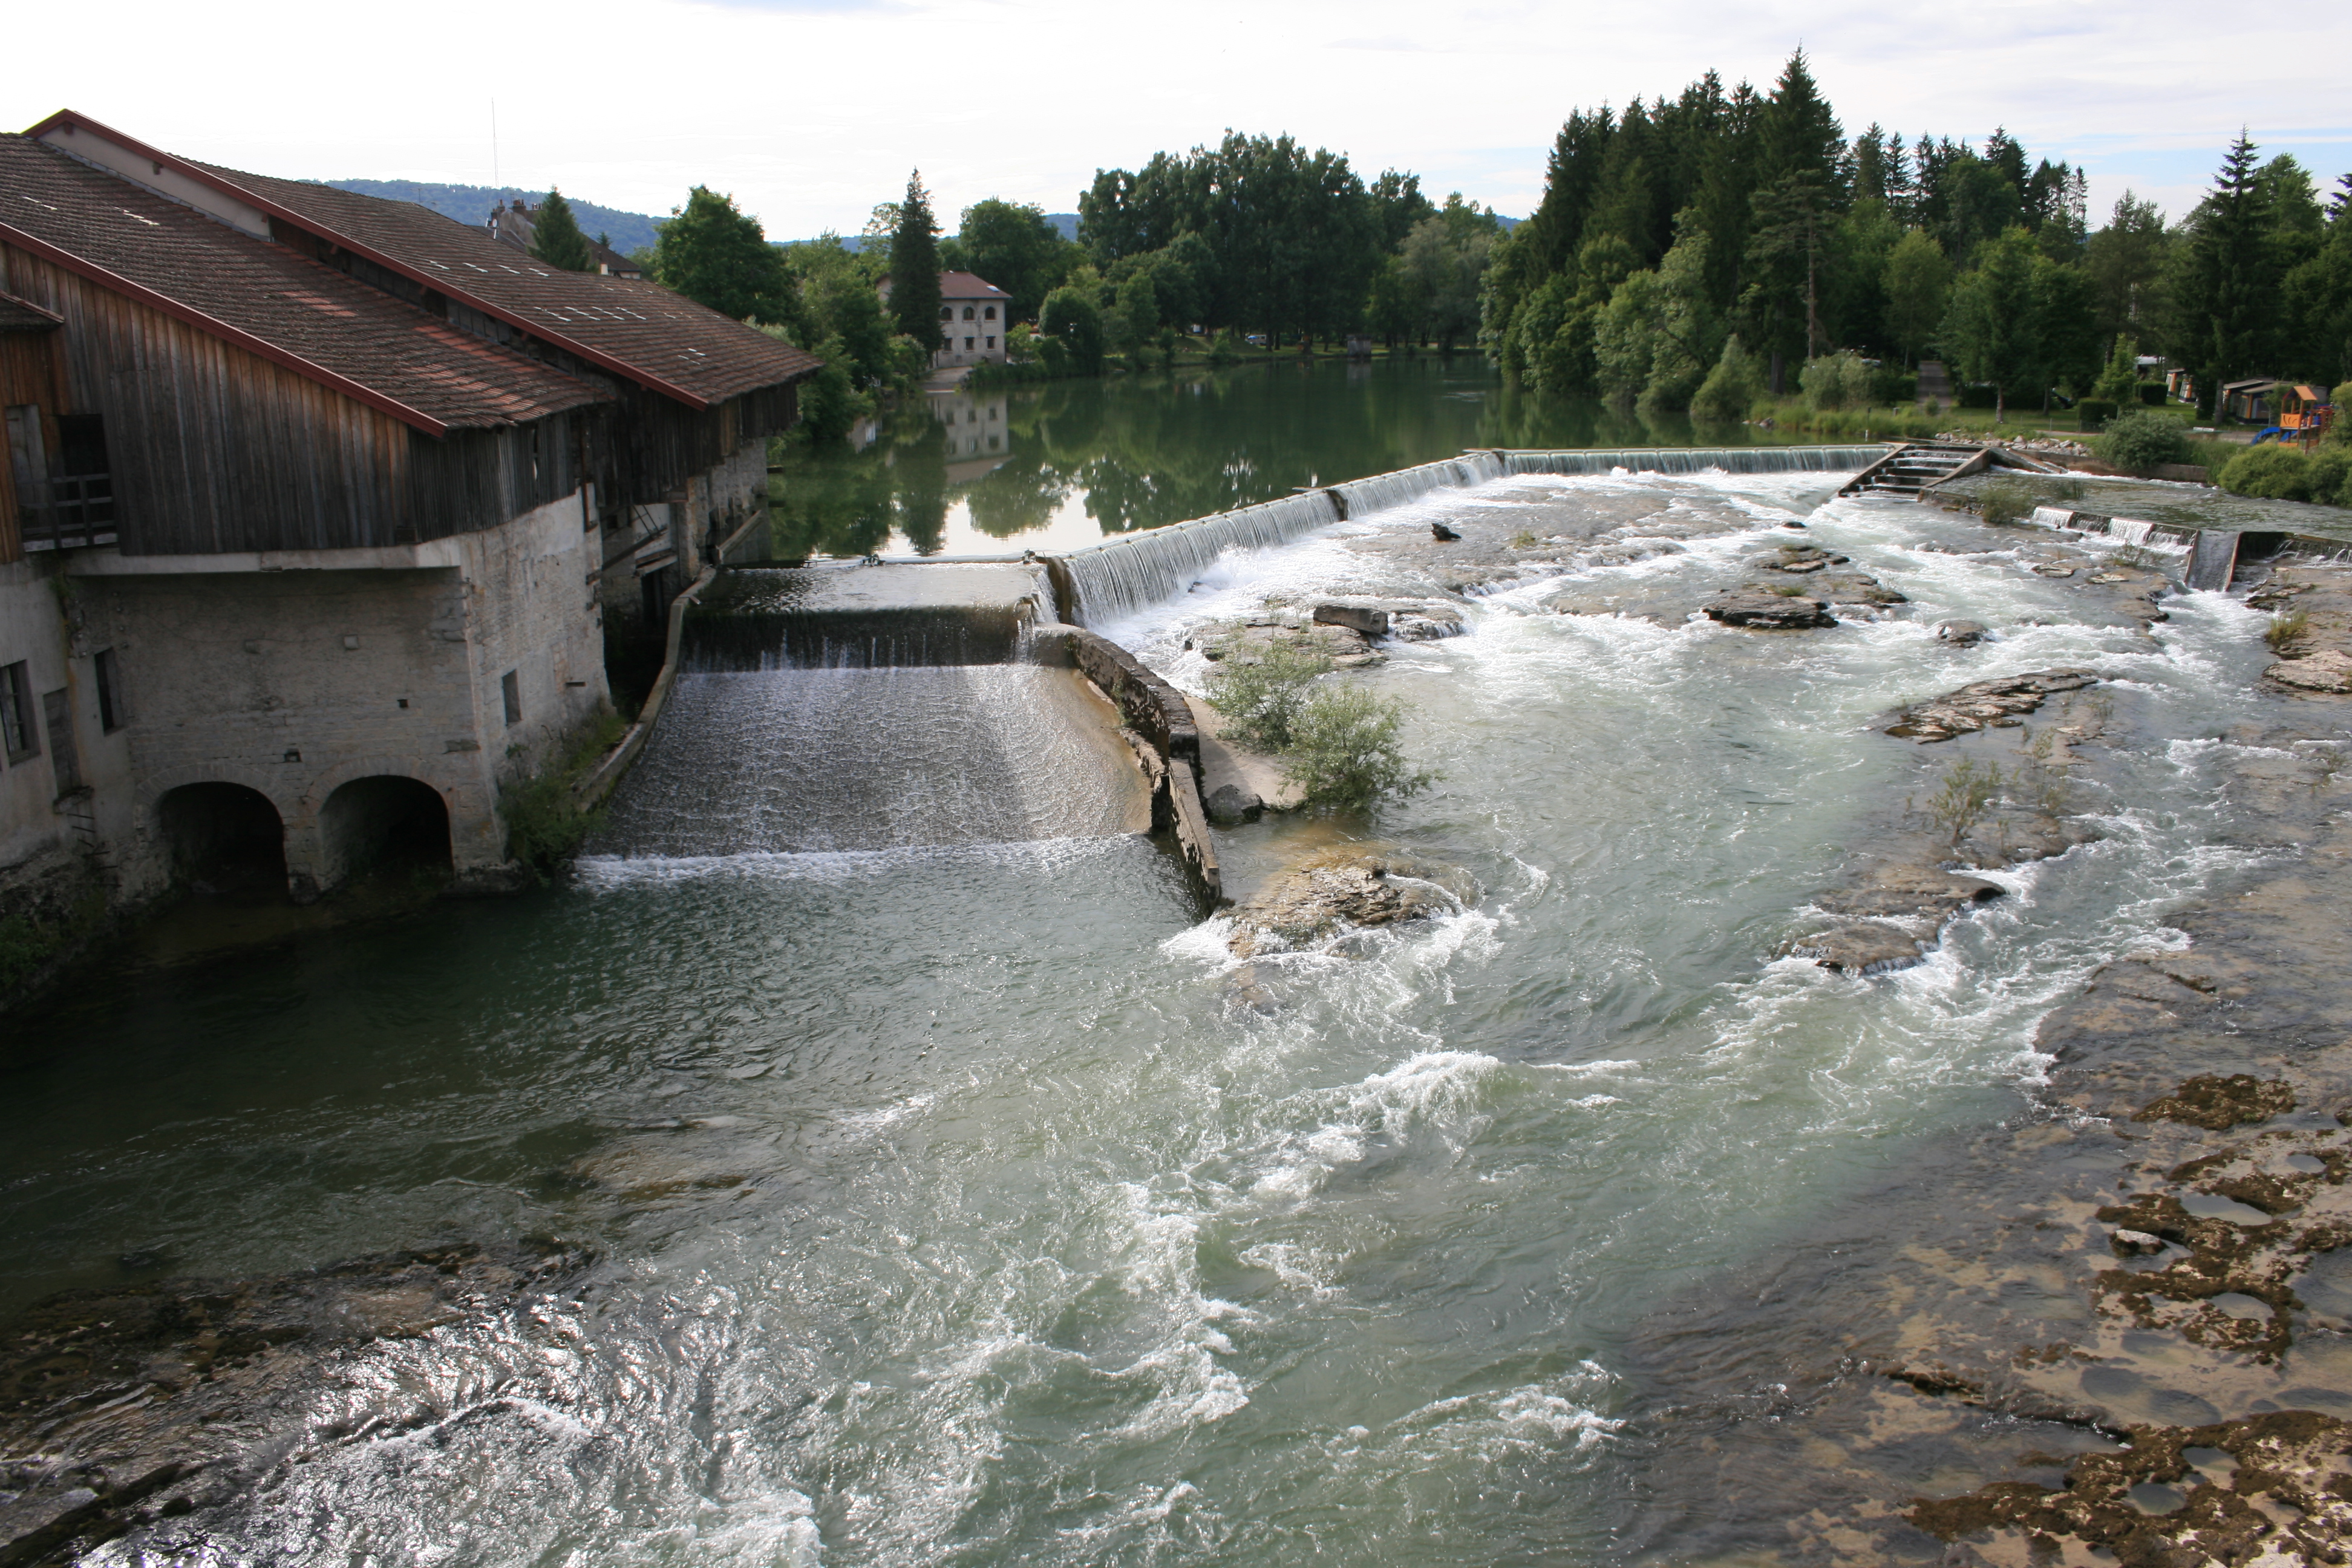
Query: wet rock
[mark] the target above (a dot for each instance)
(1885, 923)
(1349, 887)
(121, 1406)
(1762, 610)
(1855, 588)
(2219, 1103)
(1237, 783)
(1985, 702)
(2283, 1500)
(1365, 620)
(1961, 634)
(2328, 671)
(1443, 534)
(2138, 1243)
(1247, 641)
(1796, 559)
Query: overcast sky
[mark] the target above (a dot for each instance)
(809, 111)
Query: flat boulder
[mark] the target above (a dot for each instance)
(1961, 634)
(1350, 887)
(2000, 702)
(2328, 671)
(1366, 620)
(1762, 610)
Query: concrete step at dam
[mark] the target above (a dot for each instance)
(853, 616)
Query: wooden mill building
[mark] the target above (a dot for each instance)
(318, 504)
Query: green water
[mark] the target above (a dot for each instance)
(1055, 466)
(949, 1208)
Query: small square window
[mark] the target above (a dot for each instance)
(112, 715)
(989, 314)
(992, 342)
(510, 687)
(967, 343)
(17, 736)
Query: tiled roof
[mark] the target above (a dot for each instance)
(634, 328)
(24, 316)
(968, 286)
(269, 300)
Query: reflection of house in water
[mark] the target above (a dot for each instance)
(978, 437)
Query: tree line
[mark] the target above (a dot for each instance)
(1691, 253)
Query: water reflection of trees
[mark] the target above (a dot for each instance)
(1147, 450)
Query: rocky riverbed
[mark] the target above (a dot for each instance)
(129, 1407)
(2118, 1327)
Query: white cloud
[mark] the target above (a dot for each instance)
(812, 111)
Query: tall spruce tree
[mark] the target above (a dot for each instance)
(915, 268)
(2227, 296)
(555, 236)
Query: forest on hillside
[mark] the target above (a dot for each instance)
(1690, 252)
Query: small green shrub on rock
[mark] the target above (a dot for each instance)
(2142, 440)
(1345, 754)
(2007, 502)
(1262, 700)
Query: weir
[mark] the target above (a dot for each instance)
(855, 617)
(1121, 576)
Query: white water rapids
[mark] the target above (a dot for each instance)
(950, 1212)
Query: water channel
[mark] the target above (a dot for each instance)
(947, 1208)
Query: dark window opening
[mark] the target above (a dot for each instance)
(989, 314)
(967, 312)
(66, 497)
(57, 716)
(967, 343)
(510, 688)
(16, 732)
(946, 312)
(112, 715)
(992, 342)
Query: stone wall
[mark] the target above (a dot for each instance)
(1158, 717)
(296, 682)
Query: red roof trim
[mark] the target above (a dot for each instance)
(440, 283)
(222, 330)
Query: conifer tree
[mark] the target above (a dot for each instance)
(2228, 286)
(556, 239)
(915, 268)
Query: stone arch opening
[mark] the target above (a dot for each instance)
(224, 838)
(384, 822)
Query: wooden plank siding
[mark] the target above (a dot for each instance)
(30, 373)
(215, 449)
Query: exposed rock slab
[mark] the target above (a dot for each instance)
(1761, 609)
(1351, 887)
(1237, 783)
(2001, 700)
(122, 1406)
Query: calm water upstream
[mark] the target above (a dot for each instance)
(1056, 467)
(948, 1210)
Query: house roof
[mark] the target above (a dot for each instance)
(958, 286)
(969, 286)
(268, 299)
(635, 330)
(24, 316)
(2252, 383)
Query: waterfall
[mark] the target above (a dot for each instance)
(766, 620)
(1363, 497)
(1700, 459)
(1119, 576)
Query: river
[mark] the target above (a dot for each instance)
(946, 1207)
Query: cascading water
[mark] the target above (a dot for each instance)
(1120, 575)
(956, 1208)
(1699, 460)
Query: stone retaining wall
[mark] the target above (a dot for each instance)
(1158, 717)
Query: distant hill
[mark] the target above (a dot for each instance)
(472, 205)
(1065, 224)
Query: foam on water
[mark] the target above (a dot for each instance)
(1056, 1255)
